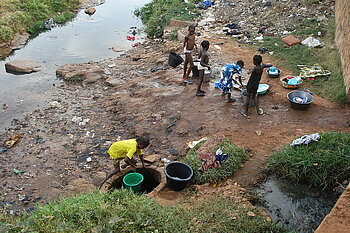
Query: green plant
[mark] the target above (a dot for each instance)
(322, 164)
(236, 157)
(124, 211)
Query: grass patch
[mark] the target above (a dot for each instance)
(18, 15)
(328, 57)
(236, 157)
(123, 211)
(321, 164)
(157, 14)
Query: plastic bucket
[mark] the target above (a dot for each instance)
(177, 175)
(174, 59)
(132, 181)
(244, 97)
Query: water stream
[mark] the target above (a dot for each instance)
(86, 38)
(295, 206)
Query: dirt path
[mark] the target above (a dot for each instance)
(54, 150)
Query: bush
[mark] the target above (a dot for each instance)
(123, 211)
(322, 164)
(236, 157)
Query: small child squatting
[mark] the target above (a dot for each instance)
(203, 55)
(125, 150)
(189, 45)
(253, 85)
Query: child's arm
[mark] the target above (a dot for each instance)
(185, 41)
(129, 162)
(267, 65)
(196, 47)
(142, 160)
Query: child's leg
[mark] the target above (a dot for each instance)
(258, 109)
(200, 81)
(185, 66)
(247, 101)
(116, 164)
(190, 61)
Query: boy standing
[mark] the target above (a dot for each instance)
(253, 84)
(203, 55)
(189, 45)
(227, 73)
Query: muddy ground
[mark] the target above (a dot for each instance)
(127, 99)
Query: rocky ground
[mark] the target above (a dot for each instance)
(63, 147)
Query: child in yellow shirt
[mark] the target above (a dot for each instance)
(125, 150)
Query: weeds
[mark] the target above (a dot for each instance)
(17, 16)
(123, 211)
(328, 57)
(157, 14)
(321, 164)
(236, 157)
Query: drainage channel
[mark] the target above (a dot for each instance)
(151, 179)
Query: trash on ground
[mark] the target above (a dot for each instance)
(48, 23)
(262, 88)
(12, 140)
(313, 72)
(291, 40)
(306, 139)
(130, 38)
(88, 159)
(205, 153)
(220, 156)
(194, 143)
(2, 150)
(205, 4)
(312, 42)
(18, 171)
(262, 50)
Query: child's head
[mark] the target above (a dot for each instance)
(191, 29)
(205, 44)
(142, 142)
(240, 63)
(257, 60)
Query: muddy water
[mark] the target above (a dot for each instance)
(86, 38)
(297, 207)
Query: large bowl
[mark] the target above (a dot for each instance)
(300, 100)
(288, 86)
(262, 89)
(274, 75)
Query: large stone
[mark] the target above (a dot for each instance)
(90, 10)
(79, 72)
(19, 40)
(22, 66)
(180, 23)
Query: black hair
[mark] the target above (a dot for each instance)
(257, 59)
(240, 63)
(191, 27)
(143, 141)
(205, 44)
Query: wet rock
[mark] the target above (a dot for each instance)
(22, 66)
(79, 72)
(90, 10)
(19, 40)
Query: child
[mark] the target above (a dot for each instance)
(203, 55)
(227, 73)
(124, 150)
(189, 45)
(253, 84)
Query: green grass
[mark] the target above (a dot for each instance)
(26, 15)
(328, 56)
(123, 211)
(234, 162)
(156, 14)
(321, 164)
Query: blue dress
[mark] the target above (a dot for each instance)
(227, 72)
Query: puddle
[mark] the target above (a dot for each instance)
(151, 180)
(295, 206)
(86, 38)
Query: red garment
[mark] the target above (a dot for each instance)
(207, 154)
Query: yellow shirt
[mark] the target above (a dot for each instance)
(125, 148)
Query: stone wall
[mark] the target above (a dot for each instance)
(343, 38)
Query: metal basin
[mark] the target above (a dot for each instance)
(300, 100)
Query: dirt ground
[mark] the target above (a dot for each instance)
(61, 157)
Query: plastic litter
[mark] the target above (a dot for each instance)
(312, 42)
(18, 171)
(194, 143)
(306, 139)
(220, 156)
(12, 140)
(2, 150)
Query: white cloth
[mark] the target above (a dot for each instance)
(306, 139)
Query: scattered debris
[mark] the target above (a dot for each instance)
(12, 140)
(18, 171)
(313, 72)
(312, 42)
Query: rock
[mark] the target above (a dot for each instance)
(291, 40)
(180, 23)
(153, 158)
(181, 35)
(90, 10)
(91, 78)
(22, 66)
(19, 40)
(251, 214)
(79, 72)
(117, 49)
